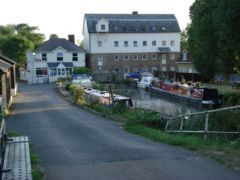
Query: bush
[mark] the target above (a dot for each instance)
(80, 70)
(99, 86)
(231, 98)
(78, 94)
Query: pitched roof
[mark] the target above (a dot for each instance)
(55, 64)
(7, 60)
(54, 43)
(135, 23)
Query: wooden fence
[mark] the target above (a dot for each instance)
(205, 130)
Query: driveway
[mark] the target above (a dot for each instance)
(73, 144)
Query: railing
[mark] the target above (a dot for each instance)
(205, 129)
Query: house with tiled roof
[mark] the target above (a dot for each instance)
(54, 59)
(117, 44)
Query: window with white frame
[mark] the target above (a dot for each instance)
(63, 71)
(144, 57)
(172, 43)
(116, 70)
(116, 44)
(75, 56)
(44, 57)
(164, 69)
(99, 59)
(144, 43)
(164, 57)
(99, 43)
(116, 57)
(135, 44)
(154, 43)
(164, 43)
(154, 56)
(126, 57)
(125, 43)
(59, 56)
(59, 72)
(172, 56)
(172, 68)
(135, 57)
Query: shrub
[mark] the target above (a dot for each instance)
(231, 98)
(78, 94)
(80, 70)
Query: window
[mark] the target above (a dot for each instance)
(68, 71)
(154, 56)
(126, 57)
(41, 72)
(144, 57)
(99, 59)
(103, 27)
(164, 69)
(134, 28)
(164, 56)
(125, 43)
(135, 57)
(135, 43)
(124, 28)
(59, 72)
(154, 43)
(99, 43)
(164, 43)
(163, 61)
(116, 57)
(144, 43)
(74, 56)
(63, 71)
(172, 43)
(126, 70)
(116, 70)
(172, 56)
(53, 71)
(172, 68)
(44, 57)
(185, 56)
(115, 43)
(59, 56)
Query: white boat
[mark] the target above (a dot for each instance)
(145, 82)
(82, 79)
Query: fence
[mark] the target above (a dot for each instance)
(204, 117)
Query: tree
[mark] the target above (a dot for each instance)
(184, 39)
(16, 40)
(213, 36)
(53, 36)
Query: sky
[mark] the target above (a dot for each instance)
(63, 17)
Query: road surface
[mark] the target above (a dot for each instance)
(73, 144)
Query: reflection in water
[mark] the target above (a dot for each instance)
(155, 102)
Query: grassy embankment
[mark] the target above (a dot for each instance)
(150, 125)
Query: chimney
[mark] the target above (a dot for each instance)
(71, 38)
(135, 12)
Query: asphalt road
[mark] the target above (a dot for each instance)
(73, 144)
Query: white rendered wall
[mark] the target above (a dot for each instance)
(86, 41)
(109, 38)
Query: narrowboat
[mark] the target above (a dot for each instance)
(201, 96)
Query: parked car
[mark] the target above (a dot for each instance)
(83, 79)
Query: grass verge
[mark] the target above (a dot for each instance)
(225, 152)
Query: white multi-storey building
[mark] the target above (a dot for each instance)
(117, 44)
(54, 59)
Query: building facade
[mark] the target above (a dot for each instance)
(54, 59)
(117, 44)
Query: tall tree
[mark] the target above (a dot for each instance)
(214, 40)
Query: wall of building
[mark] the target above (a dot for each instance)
(86, 40)
(109, 38)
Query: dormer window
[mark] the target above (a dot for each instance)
(103, 27)
(44, 57)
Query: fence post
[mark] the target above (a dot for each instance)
(166, 126)
(181, 124)
(206, 126)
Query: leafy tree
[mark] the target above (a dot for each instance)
(213, 36)
(184, 39)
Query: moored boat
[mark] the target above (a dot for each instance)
(201, 96)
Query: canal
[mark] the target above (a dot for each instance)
(154, 102)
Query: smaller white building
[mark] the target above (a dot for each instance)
(54, 59)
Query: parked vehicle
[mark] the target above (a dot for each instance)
(201, 96)
(83, 79)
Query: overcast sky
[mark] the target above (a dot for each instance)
(63, 17)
